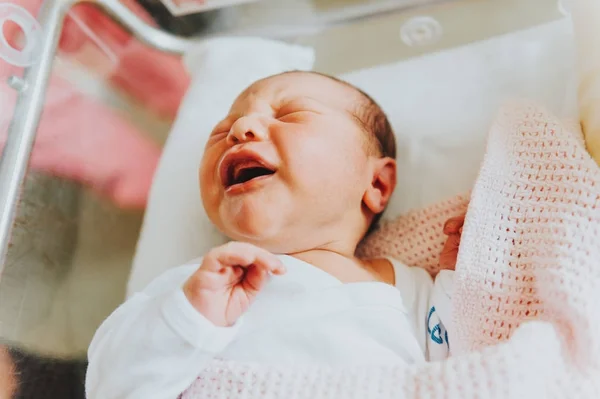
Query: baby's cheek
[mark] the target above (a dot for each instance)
(341, 175)
(323, 160)
(208, 181)
(208, 165)
(354, 162)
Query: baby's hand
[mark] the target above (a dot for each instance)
(453, 229)
(228, 280)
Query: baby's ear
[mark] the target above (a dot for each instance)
(382, 185)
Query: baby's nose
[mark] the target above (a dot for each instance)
(242, 137)
(247, 129)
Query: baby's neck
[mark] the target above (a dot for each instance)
(348, 268)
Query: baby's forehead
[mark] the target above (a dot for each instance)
(287, 86)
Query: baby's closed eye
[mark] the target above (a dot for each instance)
(217, 136)
(220, 131)
(295, 116)
(296, 111)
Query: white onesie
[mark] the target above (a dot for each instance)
(156, 344)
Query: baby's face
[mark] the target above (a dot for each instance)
(287, 164)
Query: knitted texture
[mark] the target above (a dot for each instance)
(527, 283)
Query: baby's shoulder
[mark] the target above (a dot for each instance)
(414, 283)
(403, 272)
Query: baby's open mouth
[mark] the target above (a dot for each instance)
(242, 173)
(240, 168)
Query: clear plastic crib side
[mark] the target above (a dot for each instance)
(27, 50)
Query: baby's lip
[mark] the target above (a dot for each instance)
(238, 160)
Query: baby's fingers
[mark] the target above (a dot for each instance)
(449, 253)
(243, 255)
(254, 280)
(454, 225)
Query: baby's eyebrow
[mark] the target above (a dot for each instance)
(312, 99)
(302, 100)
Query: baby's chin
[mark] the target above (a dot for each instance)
(256, 226)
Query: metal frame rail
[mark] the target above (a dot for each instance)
(33, 85)
(32, 89)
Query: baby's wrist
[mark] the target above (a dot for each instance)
(193, 326)
(203, 301)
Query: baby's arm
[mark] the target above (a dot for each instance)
(153, 344)
(156, 344)
(439, 317)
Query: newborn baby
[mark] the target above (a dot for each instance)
(295, 175)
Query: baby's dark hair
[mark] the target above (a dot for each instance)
(368, 114)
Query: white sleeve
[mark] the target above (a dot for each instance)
(154, 345)
(439, 317)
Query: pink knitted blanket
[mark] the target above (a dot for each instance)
(527, 295)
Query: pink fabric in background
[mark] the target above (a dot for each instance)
(82, 139)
